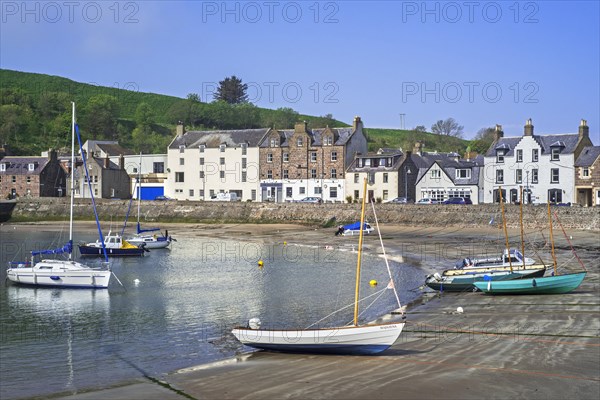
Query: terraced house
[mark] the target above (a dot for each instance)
(587, 176)
(543, 165)
(307, 162)
(32, 176)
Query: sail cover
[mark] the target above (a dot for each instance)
(67, 248)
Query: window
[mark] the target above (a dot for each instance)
(202, 147)
(300, 142)
(499, 176)
(333, 192)
(222, 174)
(554, 175)
(333, 173)
(29, 180)
(436, 174)
(534, 176)
(318, 190)
(181, 148)
(253, 194)
(286, 157)
(371, 178)
(201, 160)
(302, 190)
(385, 195)
(367, 162)
(244, 176)
(211, 193)
(535, 155)
(31, 167)
(244, 163)
(463, 173)
(222, 160)
(334, 156)
(313, 173)
(514, 197)
(356, 178)
(555, 154)
(585, 172)
(158, 167)
(555, 195)
(385, 177)
(519, 155)
(500, 156)
(270, 157)
(181, 161)
(222, 148)
(191, 192)
(356, 194)
(288, 192)
(313, 156)
(201, 174)
(519, 176)
(201, 193)
(328, 141)
(286, 174)
(135, 170)
(274, 142)
(2, 167)
(179, 177)
(244, 149)
(270, 174)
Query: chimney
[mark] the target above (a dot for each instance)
(357, 123)
(179, 129)
(301, 127)
(418, 148)
(106, 162)
(528, 128)
(584, 129)
(121, 161)
(52, 156)
(498, 133)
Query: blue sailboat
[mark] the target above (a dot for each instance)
(545, 285)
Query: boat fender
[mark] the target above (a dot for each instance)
(254, 323)
(261, 263)
(373, 282)
(437, 276)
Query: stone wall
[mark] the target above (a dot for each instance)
(314, 214)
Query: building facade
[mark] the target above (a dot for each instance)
(587, 177)
(543, 165)
(32, 177)
(153, 170)
(107, 179)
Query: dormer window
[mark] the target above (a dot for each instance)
(300, 142)
(274, 142)
(222, 148)
(500, 156)
(181, 148)
(328, 140)
(2, 167)
(31, 167)
(202, 147)
(463, 173)
(555, 154)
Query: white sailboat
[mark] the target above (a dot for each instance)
(144, 237)
(354, 339)
(60, 273)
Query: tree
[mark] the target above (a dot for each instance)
(101, 115)
(193, 97)
(486, 134)
(420, 128)
(447, 127)
(232, 91)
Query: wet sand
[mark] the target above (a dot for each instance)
(500, 347)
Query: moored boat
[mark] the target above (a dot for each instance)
(556, 284)
(115, 247)
(466, 282)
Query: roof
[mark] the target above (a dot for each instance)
(114, 149)
(100, 162)
(568, 142)
(341, 135)
(398, 160)
(213, 139)
(449, 164)
(20, 165)
(588, 156)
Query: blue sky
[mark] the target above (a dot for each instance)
(479, 62)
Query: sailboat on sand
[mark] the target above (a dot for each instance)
(61, 273)
(354, 339)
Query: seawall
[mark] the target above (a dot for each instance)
(535, 217)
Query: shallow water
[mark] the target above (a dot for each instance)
(178, 315)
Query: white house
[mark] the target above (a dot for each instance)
(153, 174)
(543, 165)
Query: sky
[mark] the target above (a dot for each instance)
(397, 64)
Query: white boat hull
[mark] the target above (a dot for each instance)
(368, 339)
(150, 242)
(59, 273)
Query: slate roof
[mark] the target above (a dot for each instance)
(567, 141)
(398, 159)
(114, 149)
(213, 139)
(342, 135)
(20, 165)
(100, 162)
(588, 156)
(449, 164)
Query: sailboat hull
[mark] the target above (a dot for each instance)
(87, 250)
(546, 285)
(466, 282)
(368, 339)
(55, 273)
(150, 242)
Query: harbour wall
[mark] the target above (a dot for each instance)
(535, 217)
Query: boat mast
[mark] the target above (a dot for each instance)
(551, 237)
(521, 221)
(505, 231)
(72, 176)
(360, 241)
(139, 193)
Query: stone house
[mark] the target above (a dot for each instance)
(32, 176)
(587, 176)
(107, 179)
(307, 162)
(542, 164)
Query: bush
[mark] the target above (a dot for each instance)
(349, 199)
(378, 200)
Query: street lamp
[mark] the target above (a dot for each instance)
(406, 172)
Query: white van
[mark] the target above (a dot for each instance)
(224, 197)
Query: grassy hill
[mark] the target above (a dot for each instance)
(35, 115)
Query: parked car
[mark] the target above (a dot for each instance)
(427, 201)
(162, 198)
(310, 200)
(398, 200)
(224, 197)
(458, 200)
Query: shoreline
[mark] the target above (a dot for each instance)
(427, 329)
